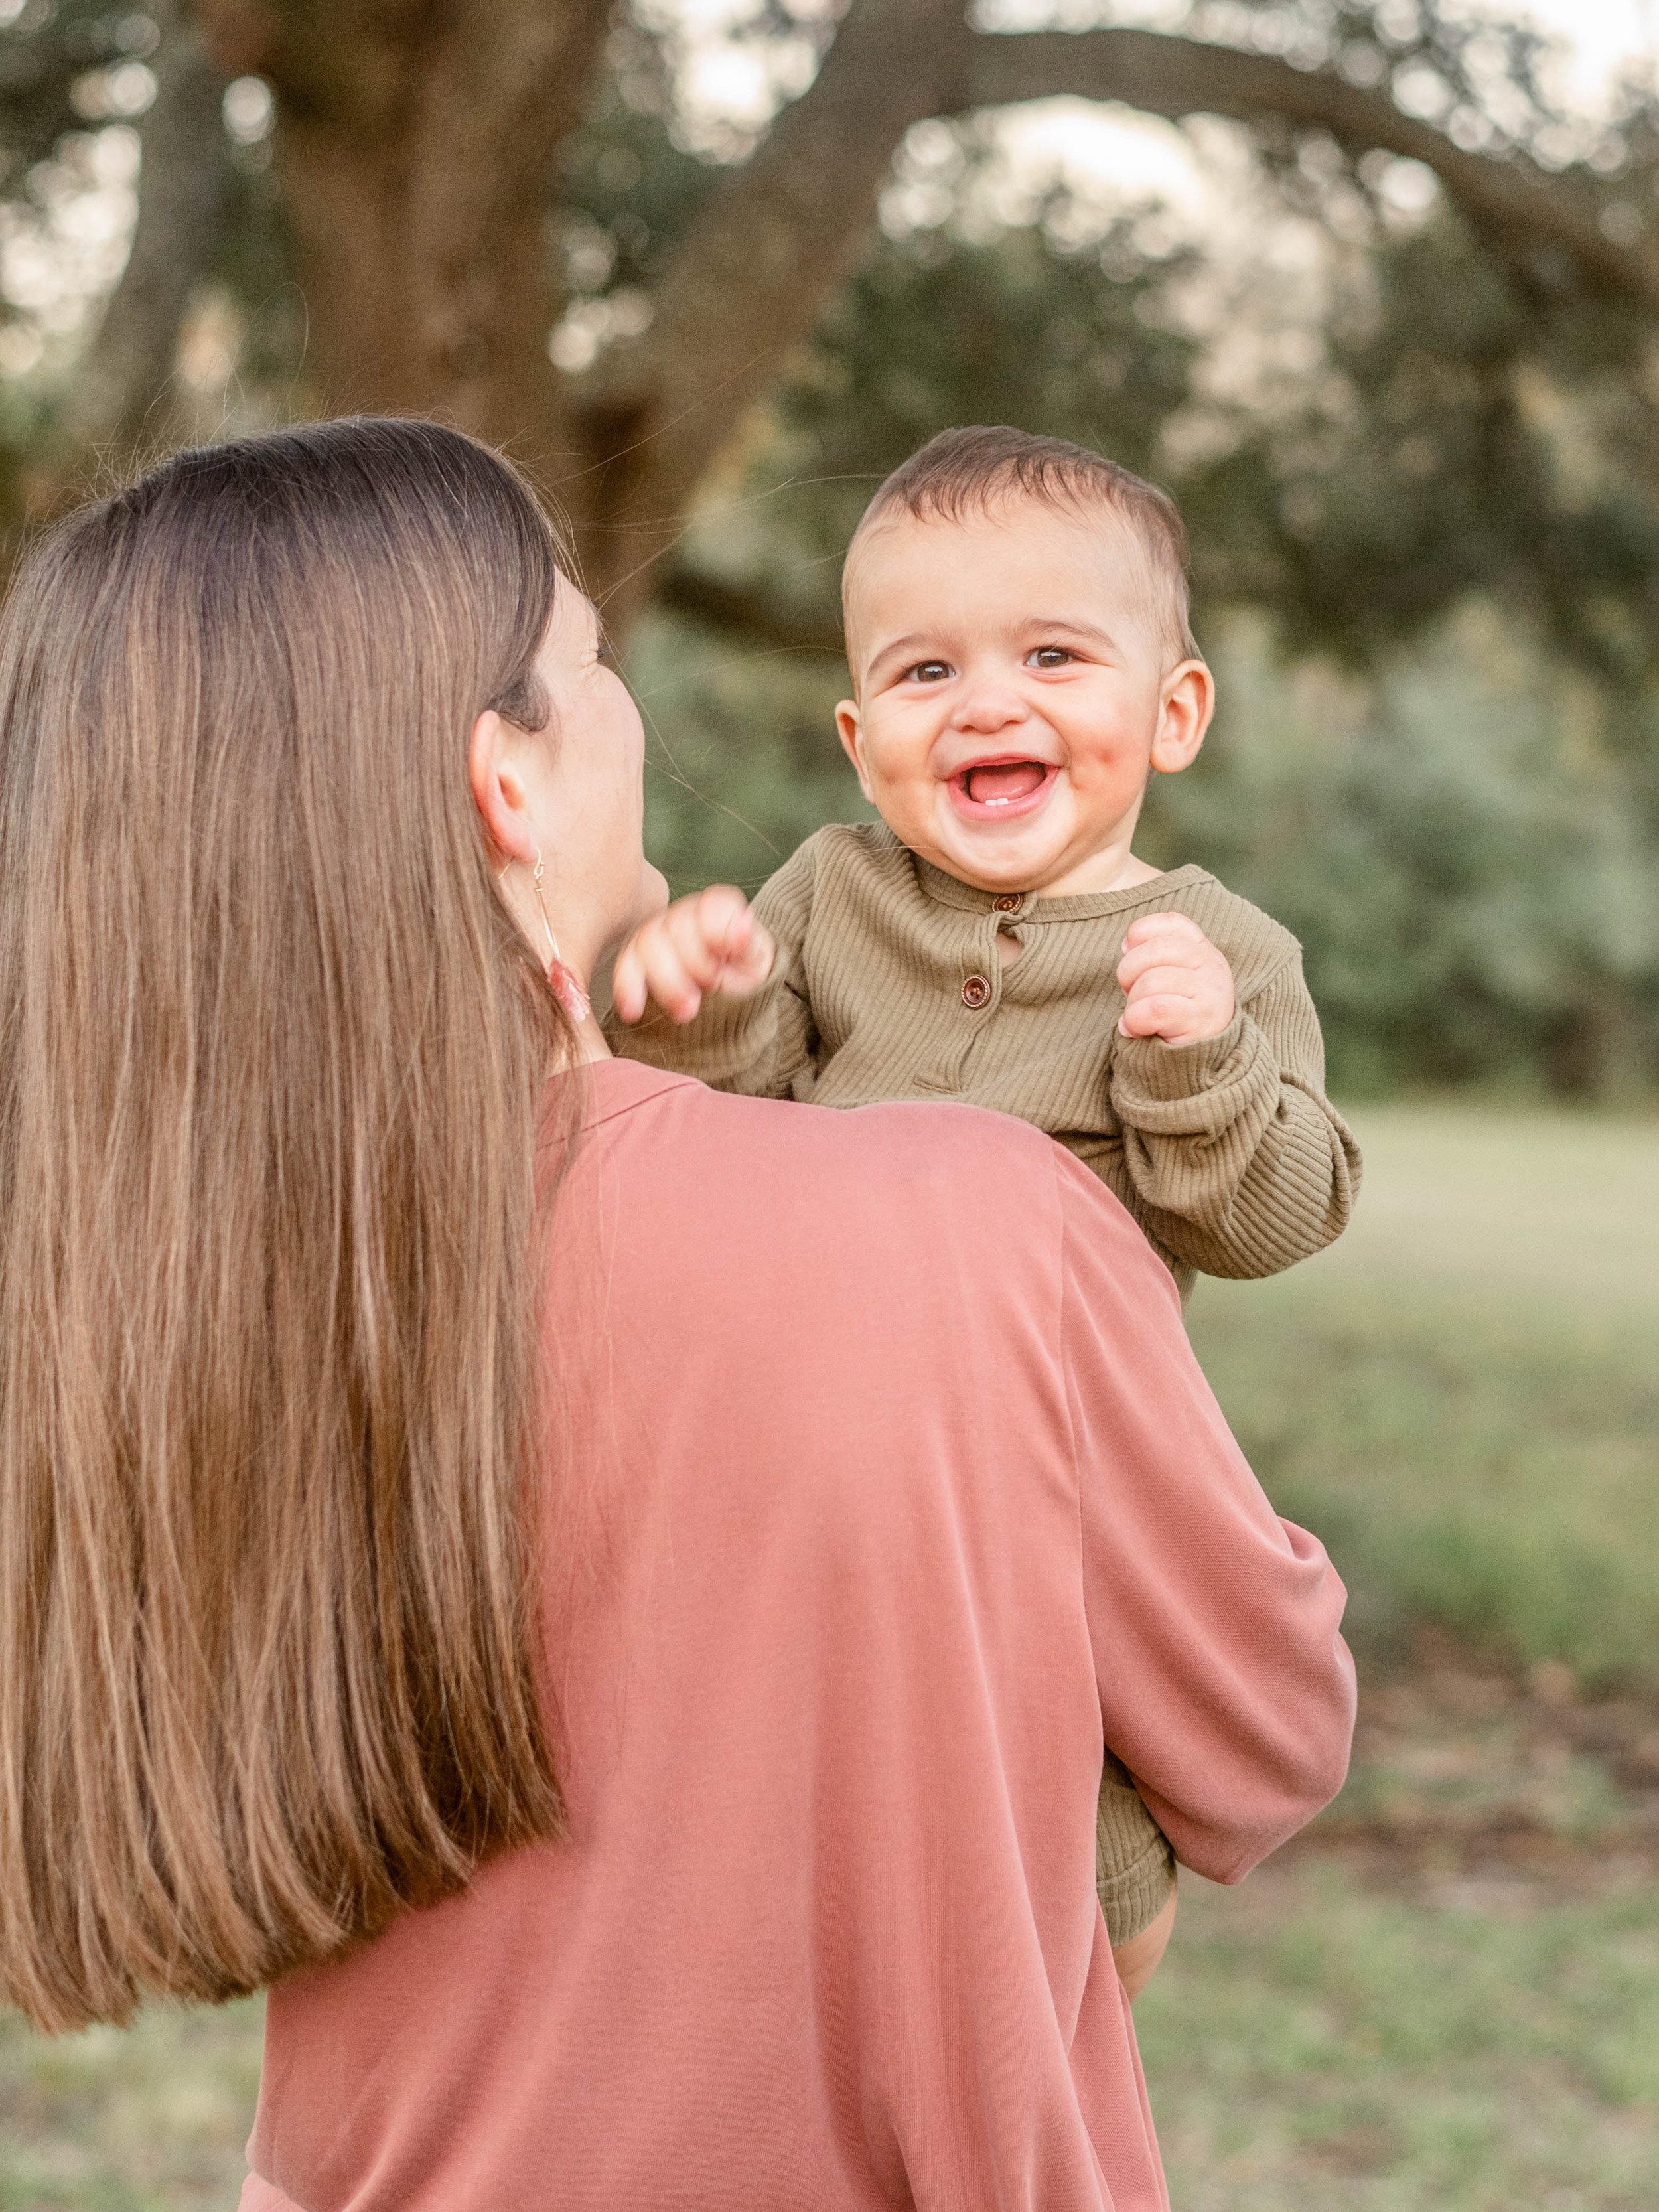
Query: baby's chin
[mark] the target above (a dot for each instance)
(1023, 857)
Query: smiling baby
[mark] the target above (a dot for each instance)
(1023, 665)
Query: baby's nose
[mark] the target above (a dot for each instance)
(988, 705)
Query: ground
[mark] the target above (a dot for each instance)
(1446, 1997)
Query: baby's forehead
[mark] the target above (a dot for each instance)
(1020, 545)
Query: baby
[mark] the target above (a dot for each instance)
(1017, 632)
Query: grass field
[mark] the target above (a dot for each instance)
(152, 2120)
(1461, 1396)
(1314, 2043)
(1450, 2003)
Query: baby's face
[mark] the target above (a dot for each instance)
(1013, 694)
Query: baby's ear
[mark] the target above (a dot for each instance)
(1187, 702)
(850, 728)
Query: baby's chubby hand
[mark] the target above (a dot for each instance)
(710, 942)
(1179, 987)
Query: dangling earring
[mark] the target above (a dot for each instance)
(566, 988)
(564, 980)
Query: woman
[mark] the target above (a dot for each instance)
(605, 1595)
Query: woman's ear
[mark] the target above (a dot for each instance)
(1188, 702)
(851, 738)
(497, 790)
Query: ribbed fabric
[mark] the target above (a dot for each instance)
(1135, 1866)
(888, 984)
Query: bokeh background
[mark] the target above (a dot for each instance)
(1373, 287)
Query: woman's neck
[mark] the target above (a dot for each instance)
(591, 1043)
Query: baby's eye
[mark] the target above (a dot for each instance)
(928, 672)
(1049, 656)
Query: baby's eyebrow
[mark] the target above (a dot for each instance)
(913, 641)
(1071, 624)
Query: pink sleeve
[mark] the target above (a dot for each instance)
(1226, 1687)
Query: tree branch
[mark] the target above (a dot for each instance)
(769, 248)
(1162, 74)
(413, 141)
(184, 188)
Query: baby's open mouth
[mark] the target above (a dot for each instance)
(995, 785)
(1004, 781)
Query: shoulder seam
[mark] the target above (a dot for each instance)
(1292, 952)
(1275, 929)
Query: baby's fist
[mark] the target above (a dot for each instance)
(710, 942)
(1178, 987)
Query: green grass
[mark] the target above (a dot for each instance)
(1462, 1399)
(1314, 2046)
(1461, 1396)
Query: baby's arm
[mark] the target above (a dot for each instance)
(1135, 1866)
(710, 988)
(1140, 1958)
(1235, 1159)
(695, 948)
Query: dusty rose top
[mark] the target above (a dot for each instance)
(892, 1477)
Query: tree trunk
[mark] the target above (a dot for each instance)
(766, 254)
(413, 149)
(119, 404)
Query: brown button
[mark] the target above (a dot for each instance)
(976, 992)
(1008, 903)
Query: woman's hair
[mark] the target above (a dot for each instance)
(274, 1124)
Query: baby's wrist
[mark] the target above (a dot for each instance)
(1200, 1043)
(1199, 1036)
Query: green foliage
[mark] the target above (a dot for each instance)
(1490, 436)
(627, 191)
(1464, 427)
(1463, 843)
(1466, 840)
(69, 71)
(743, 762)
(52, 55)
(940, 329)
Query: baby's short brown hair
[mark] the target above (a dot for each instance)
(965, 472)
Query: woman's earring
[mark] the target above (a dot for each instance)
(567, 989)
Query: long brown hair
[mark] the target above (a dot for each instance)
(273, 1068)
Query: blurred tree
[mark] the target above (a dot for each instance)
(1461, 828)
(1457, 429)
(1462, 844)
(456, 181)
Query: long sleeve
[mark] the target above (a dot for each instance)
(757, 1046)
(1224, 1684)
(1233, 1160)
(1135, 1866)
